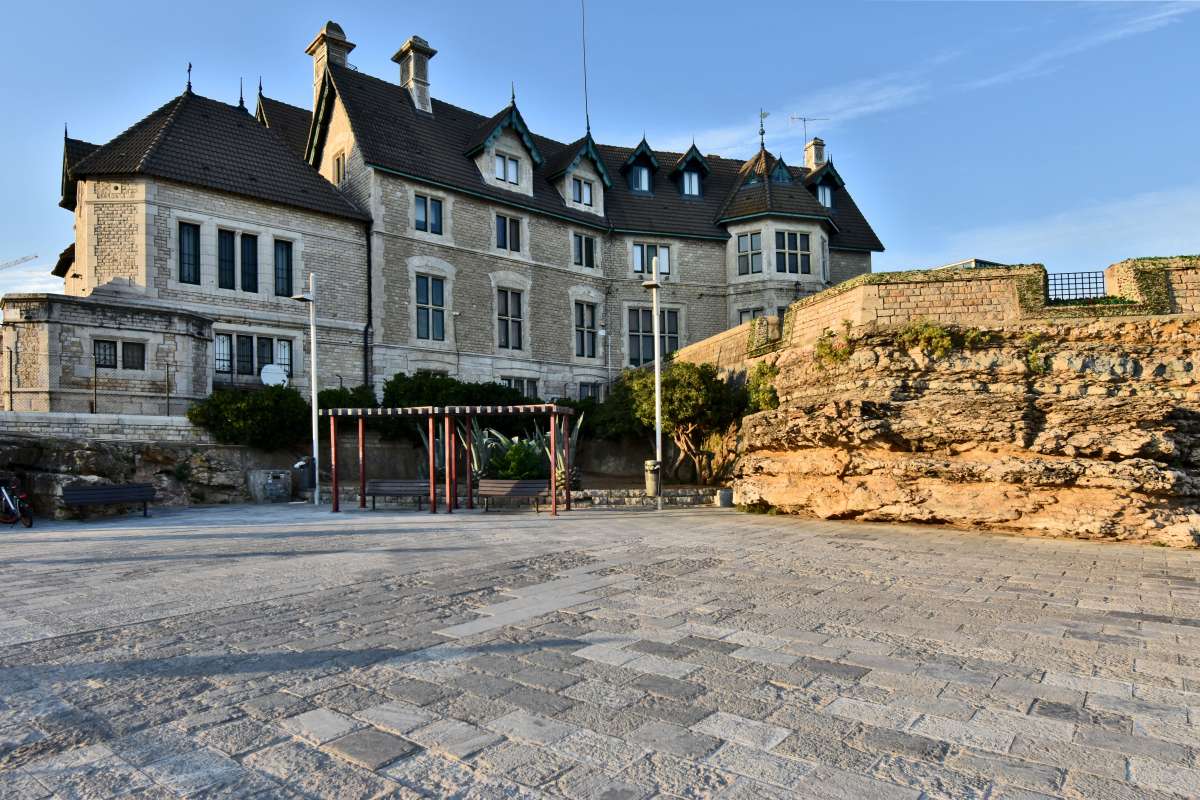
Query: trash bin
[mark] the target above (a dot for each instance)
(303, 474)
(653, 479)
(270, 485)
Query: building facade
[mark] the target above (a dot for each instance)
(441, 240)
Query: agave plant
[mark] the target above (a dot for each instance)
(565, 446)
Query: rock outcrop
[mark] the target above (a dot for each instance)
(1078, 428)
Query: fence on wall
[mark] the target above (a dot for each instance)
(104, 381)
(1075, 285)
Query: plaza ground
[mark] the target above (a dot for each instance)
(288, 652)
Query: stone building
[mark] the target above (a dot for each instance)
(441, 239)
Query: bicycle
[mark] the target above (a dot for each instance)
(14, 504)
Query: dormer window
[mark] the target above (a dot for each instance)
(508, 169)
(825, 195)
(691, 183)
(581, 191)
(639, 178)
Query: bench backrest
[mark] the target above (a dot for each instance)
(385, 486)
(512, 488)
(82, 493)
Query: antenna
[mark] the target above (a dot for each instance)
(241, 94)
(806, 120)
(587, 117)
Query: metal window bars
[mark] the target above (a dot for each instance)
(1075, 285)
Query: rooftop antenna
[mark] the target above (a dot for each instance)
(587, 117)
(806, 120)
(762, 131)
(189, 83)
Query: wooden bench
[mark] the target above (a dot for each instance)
(397, 488)
(511, 488)
(86, 494)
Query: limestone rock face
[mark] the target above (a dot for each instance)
(1080, 429)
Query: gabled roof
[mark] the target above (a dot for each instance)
(756, 194)
(207, 143)
(641, 152)
(490, 130)
(570, 156)
(692, 156)
(74, 151)
(289, 121)
(824, 174)
(65, 259)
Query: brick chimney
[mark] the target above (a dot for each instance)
(814, 153)
(330, 46)
(413, 58)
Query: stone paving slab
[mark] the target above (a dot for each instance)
(286, 652)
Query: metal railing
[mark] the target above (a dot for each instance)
(1075, 285)
(106, 394)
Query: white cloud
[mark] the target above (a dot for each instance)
(29, 278)
(1124, 27)
(1160, 223)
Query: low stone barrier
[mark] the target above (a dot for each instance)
(102, 427)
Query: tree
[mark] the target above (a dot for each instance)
(696, 403)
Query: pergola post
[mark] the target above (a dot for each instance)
(470, 424)
(333, 476)
(566, 423)
(448, 464)
(362, 462)
(553, 464)
(432, 464)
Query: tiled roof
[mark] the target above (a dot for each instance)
(289, 121)
(207, 143)
(65, 259)
(74, 151)
(394, 136)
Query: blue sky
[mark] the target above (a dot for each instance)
(1059, 132)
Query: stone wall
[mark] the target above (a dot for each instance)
(103, 427)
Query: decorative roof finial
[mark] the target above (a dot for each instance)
(260, 85)
(65, 130)
(241, 94)
(762, 131)
(513, 101)
(189, 83)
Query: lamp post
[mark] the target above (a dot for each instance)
(653, 284)
(310, 297)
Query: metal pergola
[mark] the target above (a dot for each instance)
(448, 415)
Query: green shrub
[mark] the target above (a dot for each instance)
(832, 348)
(1035, 357)
(929, 337)
(976, 339)
(269, 418)
(341, 397)
(432, 389)
(761, 387)
(521, 461)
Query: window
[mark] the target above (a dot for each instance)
(225, 265)
(283, 354)
(266, 352)
(431, 308)
(245, 355)
(105, 352)
(189, 253)
(526, 386)
(691, 183)
(581, 191)
(223, 352)
(584, 248)
(283, 268)
(792, 253)
(747, 314)
(644, 256)
(508, 169)
(428, 214)
(639, 179)
(508, 233)
(589, 391)
(781, 311)
(585, 330)
(825, 195)
(508, 317)
(133, 355)
(249, 263)
(641, 334)
(339, 169)
(749, 259)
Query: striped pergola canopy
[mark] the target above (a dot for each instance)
(438, 411)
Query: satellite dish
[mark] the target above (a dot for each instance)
(274, 375)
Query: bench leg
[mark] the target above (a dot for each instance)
(372, 502)
(145, 513)
(418, 502)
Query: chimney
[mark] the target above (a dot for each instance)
(413, 58)
(814, 153)
(329, 47)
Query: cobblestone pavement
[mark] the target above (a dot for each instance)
(282, 652)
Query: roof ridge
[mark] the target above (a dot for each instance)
(158, 137)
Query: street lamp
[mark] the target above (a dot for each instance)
(653, 284)
(310, 297)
